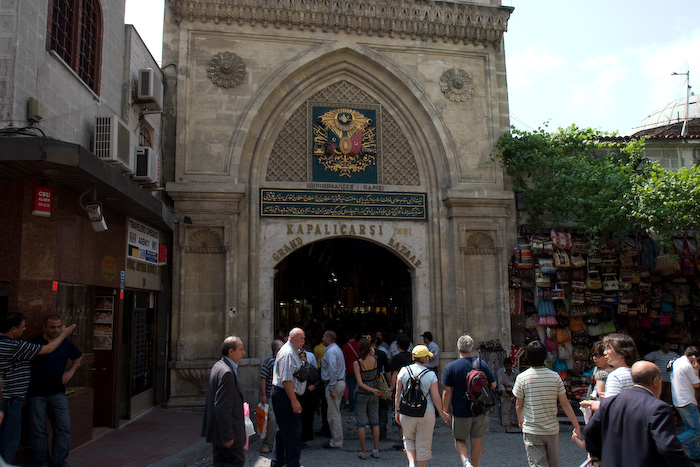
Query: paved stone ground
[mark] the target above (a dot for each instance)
(501, 449)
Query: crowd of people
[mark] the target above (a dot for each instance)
(630, 424)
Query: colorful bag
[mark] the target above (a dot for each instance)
(593, 280)
(383, 387)
(561, 240)
(563, 335)
(522, 256)
(561, 259)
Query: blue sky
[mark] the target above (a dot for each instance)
(597, 63)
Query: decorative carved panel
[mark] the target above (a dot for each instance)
(480, 243)
(205, 241)
(197, 376)
(405, 19)
(289, 158)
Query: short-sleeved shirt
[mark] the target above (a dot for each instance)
(503, 377)
(682, 379)
(400, 360)
(539, 388)
(455, 376)
(434, 361)
(427, 380)
(619, 380)
(47, 370)
(266, 372)
(15, 356)
(661, 359)
(350, 352)
(286, 363)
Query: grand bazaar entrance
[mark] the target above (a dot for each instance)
(344, 284)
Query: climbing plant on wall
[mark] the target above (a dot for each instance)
(597, 182)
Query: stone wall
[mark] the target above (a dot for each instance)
(246, 76)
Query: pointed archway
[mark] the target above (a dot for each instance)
(343, 283)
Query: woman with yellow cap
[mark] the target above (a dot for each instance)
(418, 430)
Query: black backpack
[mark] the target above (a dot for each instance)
(479, 392)
(413, 402)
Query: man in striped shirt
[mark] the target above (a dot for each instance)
(537, 391)
(15, 355)
(265, 396)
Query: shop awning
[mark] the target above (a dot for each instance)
(49, 160)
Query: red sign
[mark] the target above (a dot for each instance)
(41, 203)
(162, 255)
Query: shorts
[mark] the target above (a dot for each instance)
(366, 409)
(470, 427)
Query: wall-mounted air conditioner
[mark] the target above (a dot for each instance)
(112, 142)
(147, 166)
(149, 89)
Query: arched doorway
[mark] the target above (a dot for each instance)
(346, 284)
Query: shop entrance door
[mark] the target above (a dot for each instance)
(344, 283)
(138, 355)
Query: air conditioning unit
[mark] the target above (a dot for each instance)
(149, 89)
(147, 166)
(112, 142)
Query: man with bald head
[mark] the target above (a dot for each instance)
(635, 428)
(223, 424)
(286, 389)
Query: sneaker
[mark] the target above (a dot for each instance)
(363, 455)
(466, 463)
(375, 453)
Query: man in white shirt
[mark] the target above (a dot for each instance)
(333, 374)
(684, 381)
(660, 358)
(433, 361)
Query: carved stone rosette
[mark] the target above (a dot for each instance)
(226, 70)
(457, 85)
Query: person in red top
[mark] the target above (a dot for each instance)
(351, 354)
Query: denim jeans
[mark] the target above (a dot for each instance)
(55, 407)
(690, 438)
(10, 428)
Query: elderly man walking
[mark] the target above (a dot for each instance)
(286, 389)
(635, 428)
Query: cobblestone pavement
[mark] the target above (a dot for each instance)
(501, 449)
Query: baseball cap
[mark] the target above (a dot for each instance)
(428, 335)
(421, 351)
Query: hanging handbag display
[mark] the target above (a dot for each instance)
(610, 282)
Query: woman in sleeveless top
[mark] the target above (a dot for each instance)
(367, 405)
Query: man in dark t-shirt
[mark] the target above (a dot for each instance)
(402, 359)
(47, 394)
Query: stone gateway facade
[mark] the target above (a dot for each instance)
(307, 126)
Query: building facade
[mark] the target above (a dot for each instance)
(332, 166)
(84, 220)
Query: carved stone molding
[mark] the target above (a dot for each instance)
(455, 22)
(197, 376)
(226, 70)
(457, 85)
(480, 243)
(205, 241)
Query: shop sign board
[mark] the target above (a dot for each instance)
(41, 201)
(142, 242)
